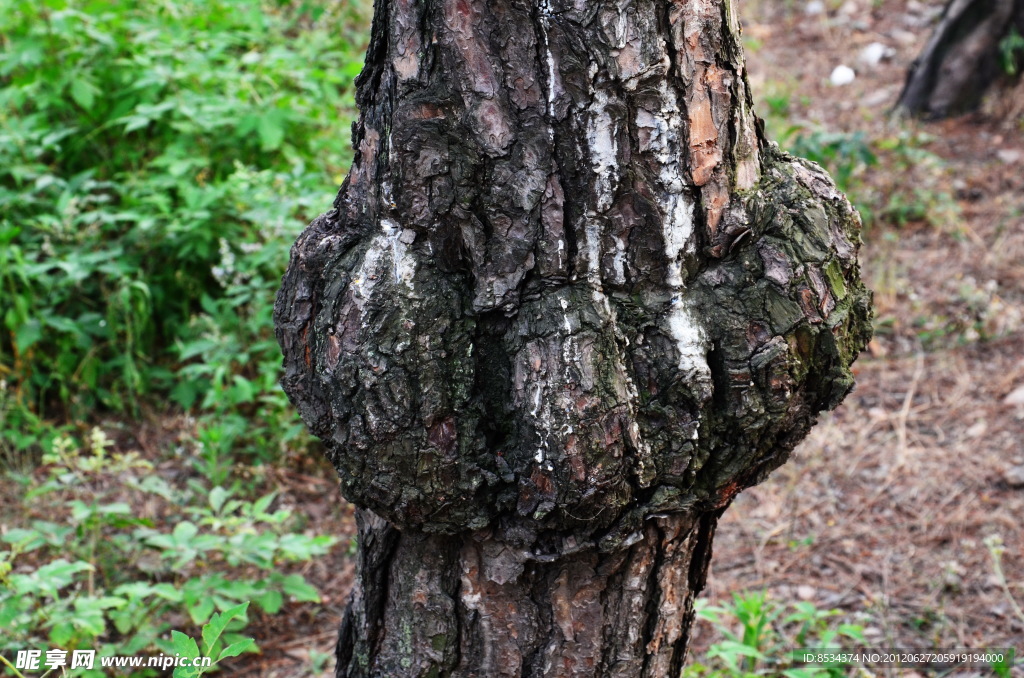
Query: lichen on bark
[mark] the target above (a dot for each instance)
(569, 300)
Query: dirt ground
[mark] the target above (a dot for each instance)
(882, 513)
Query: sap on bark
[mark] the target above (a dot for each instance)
(971, 47)
(568, 304)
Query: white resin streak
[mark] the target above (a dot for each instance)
(664, 141)
(603, 151)
(403, 263)
(387, 256)
(545, 20)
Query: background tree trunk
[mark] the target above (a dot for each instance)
(962, 57)
(569, 302)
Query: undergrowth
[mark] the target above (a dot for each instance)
(156, 161)
(761, 637)
(114, 557)
(873, 173)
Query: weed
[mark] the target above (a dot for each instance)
(1011, 49)
(96, 574)
(760, 638)
(994, 544)
(845, 155)
(213, 646)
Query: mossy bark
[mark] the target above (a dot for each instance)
(963, 57)
(569, 302)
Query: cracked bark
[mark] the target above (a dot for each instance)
(962, 57)
(569, 302)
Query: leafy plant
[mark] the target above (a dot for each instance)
(759, 638)
(849, 158)
(97, 574)
(155, 160)
(1011, 47)
(213, 646)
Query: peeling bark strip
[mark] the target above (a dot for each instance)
(568, 303)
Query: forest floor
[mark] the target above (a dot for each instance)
(883, 513)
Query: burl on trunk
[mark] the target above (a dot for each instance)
(569, 302)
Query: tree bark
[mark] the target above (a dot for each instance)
(569, 302)
(962, 57)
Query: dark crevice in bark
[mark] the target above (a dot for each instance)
(653, 600)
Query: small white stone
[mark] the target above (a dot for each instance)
(842, 75)
(1009, 155)
(977, 429)
(1015, 397)
(1014, 476)
(814, 8)
(873, 54)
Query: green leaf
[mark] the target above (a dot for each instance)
(200, 612)
(27, 540)
(184, 532)
(218, 496)
(299, 589)
(62, 633)
(270, 131)
(259, 508)
(302, 547)
(27, 334)
(60, 573)
(84, 92)
(187, 671)
(728, 647)
(236, 649)
(271, 601)
(855, 631)
(219, 622)
(9, 609)
(804, 673)
(184, 645)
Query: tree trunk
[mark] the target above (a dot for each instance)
(569, 302)
(439, 605)
(962, 58)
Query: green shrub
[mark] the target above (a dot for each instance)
(1011, 49)
(844, 155)
(156, 159)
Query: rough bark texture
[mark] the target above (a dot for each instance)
(569, 302)
(962, 57)
(440, 605)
